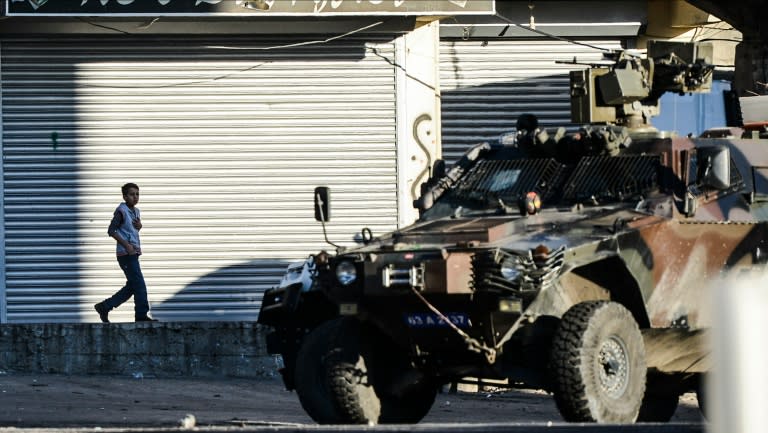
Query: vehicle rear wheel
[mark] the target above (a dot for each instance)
(346, 374)
(598, 364)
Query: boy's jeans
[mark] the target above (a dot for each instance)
(134, 286)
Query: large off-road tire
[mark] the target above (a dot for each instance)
(310, 378)
(345, 375)
(409, 406)
(598, 364)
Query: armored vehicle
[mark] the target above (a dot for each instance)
(574, 261)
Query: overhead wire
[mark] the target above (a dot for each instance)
(300, 44)
(221, 47)
(549, 35)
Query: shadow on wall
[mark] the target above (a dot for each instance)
(476, 114)
(231, 293)
(69, 129)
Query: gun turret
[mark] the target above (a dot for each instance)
(627, 92)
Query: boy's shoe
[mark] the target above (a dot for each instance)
(103, 312)
(145, 319)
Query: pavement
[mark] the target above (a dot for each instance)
(134, 401)
(44, 400)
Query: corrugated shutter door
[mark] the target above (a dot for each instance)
(227, 140)
(485, 86)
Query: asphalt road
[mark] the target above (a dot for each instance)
(55, 401)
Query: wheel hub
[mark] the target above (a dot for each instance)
(613, 368)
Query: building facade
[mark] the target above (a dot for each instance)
(229, 113)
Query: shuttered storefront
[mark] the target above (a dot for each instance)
(486, 85)
(227, 140)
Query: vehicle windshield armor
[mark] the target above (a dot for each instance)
(499, 180)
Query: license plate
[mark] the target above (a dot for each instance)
(431, 320)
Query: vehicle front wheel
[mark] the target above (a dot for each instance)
(310, 379)
(598, 364)
(347, 374)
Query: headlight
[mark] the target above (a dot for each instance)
(346, 273)
(509, 269)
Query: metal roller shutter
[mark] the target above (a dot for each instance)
(485, 86)
(227, 140)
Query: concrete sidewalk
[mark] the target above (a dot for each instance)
(136, 374)
(160, 349)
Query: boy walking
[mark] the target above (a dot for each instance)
(124, 228)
